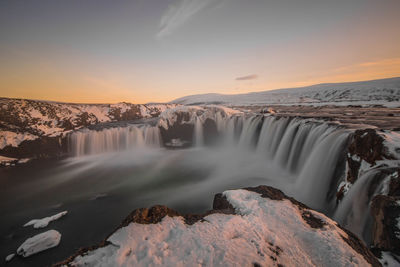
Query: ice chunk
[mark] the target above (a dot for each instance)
(39, 243)
(41, 223)
(10, 257)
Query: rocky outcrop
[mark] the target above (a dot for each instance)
(386, 214)
(373, 154)
(179, 123)
(365, 145)
(367, 150)
(229, 234)
(181, 128)
(44, 147)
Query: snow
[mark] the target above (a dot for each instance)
(392, 142)
(31, 119)
(230, 240)
(170, 116)
(6, 159)
(384, 91)
(39, 243)
(41, 223)
(14, 139)
(388, 260)
(10, 257)
(25, 160)
(226, 110)
(346, 187)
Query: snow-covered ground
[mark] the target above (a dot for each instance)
(261, 232)
(384, 92)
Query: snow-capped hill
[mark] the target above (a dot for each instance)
(22, 119)
(384, 91)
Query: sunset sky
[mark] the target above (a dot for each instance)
(142, 51)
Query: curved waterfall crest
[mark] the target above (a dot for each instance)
(307, 150)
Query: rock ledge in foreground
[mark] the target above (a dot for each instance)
(257, 226)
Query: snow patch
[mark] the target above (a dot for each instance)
(4, 160)
(388, 260)
(39, 243)
(25, 160)
(346, 187)
(41, 223)
(392, 142)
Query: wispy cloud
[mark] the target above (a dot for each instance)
(248, 77)
(179, 13)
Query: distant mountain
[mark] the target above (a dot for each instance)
(383, 91)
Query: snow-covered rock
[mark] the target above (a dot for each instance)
(370, 150)
(249, 227)
(22, 119)
(30, 128)
(180, 122)
(14, 139)
(39, 243)
(41, 223)
(188, 114)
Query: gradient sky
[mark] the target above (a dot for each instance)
(142, 51)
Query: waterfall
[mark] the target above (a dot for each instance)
(220, 122)
(198, 138)
(89, 142)
(317, 172)
(353, 211)
(249, 130)
(309, 151)
(302, 156)
(305, 150)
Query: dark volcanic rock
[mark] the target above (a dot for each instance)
(182, 132)
(44, 147)
(365, 145)
(386, 212)
(146, 216)
(368, 145)
(394, 185)
(210, 131)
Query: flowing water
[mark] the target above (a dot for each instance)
(115, 170)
